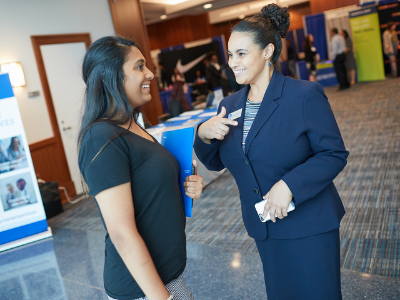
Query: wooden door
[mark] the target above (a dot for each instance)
(49, 156)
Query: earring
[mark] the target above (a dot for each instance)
(269, 64)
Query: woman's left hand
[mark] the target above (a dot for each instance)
(194, 184)
(279, 198)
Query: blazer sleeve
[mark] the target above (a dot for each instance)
(208, 154)
(328, 151)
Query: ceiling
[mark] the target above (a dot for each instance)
(153, 9)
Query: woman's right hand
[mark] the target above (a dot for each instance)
(215, 128)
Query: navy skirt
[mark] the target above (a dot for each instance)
(302, 269)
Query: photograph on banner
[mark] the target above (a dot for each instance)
(17, 191)
(12, 154)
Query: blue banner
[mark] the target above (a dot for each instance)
(6, 90)
(315, 25)
(21, 208)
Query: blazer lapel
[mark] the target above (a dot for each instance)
(238, 130)
(267, 107)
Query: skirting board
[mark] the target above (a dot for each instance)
(29, 239)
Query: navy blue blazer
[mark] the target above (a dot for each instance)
(294, 137)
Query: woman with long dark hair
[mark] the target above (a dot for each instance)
(15, 150)
(350, 62)
(133, 179)
(178, 102)
(281, 143)
(311, 57)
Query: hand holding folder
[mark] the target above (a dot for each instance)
(180, 144)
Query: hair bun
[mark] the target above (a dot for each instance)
(279, 18)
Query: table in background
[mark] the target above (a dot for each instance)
(326, 75)
(188, 119)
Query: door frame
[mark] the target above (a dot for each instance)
(37, 41)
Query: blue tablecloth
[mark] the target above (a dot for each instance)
(326, 75)
(194, 119)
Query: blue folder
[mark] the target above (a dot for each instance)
(180, 144)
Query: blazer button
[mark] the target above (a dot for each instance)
(246, 162)
(256, 190)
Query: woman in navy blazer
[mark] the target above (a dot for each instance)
(292, 152)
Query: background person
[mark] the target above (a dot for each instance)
(350, 62)
(200, 79)
(338, 47)
(178, 102)
(21, 184)
(178, 77)
(390, 46)
(15, 150)
(311, 57)
(13, 196)
(213, 71)
(284, 145)
(133, 179)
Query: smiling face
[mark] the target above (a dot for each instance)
(247, 60)
(137, 78)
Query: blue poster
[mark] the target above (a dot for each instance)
(21, 208)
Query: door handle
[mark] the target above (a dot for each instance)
(67, 128)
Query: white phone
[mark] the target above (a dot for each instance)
(260, 210)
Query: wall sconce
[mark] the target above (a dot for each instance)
(15, 72)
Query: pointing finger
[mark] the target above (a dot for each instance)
(222, 113)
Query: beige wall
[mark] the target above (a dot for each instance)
(19, 19)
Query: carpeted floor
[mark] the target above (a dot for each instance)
(369, 119)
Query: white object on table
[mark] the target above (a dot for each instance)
(179, 118)
(192, 112)
(209, 114)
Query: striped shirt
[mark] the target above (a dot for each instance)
(249, 116)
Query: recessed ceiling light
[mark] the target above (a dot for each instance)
(242, 16)
(163, 17)
(207, 6)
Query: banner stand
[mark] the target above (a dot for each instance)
(27, 240)
(367, 44)
(22, 216)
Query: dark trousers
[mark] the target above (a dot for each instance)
(340, 70)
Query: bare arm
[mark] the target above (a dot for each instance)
(116, 206)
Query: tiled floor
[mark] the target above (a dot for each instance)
(225, 266)
(69, 266)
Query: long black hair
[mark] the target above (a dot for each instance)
(346, 34)
(268, 27)
(105, 98)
